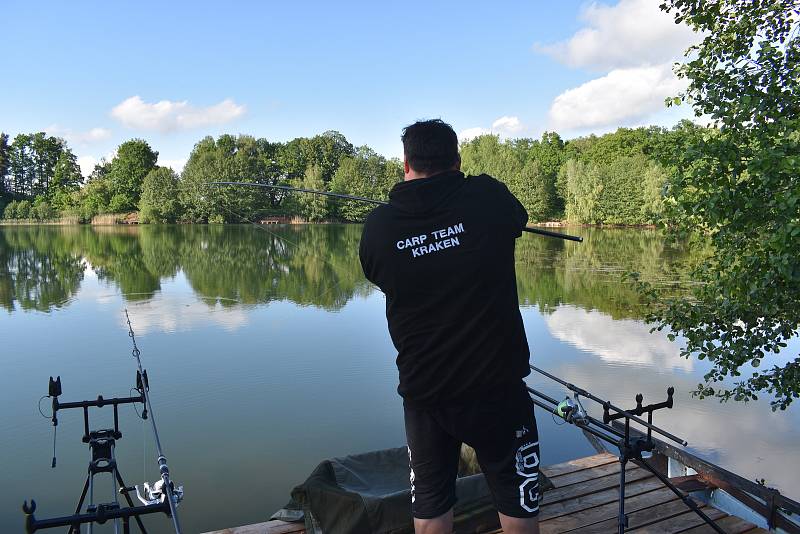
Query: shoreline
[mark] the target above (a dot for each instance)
(123, 219)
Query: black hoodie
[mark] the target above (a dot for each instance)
(442, 251)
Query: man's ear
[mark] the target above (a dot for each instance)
(457, 164)
(406, 166)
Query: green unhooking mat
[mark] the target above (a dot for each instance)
(370, 493)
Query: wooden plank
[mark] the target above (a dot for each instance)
(577, 464)
(605, 512)
(611, 495)
(721, 477)
(270, 527)
(593, 486)
(730, 524)
(668, 517)
(681, 522)
(584, 475)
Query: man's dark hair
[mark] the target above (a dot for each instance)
(430, 146)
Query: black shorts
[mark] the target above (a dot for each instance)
(500, 426)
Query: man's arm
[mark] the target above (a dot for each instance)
(364, 253)
(513, 210)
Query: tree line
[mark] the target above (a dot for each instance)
(618, 178)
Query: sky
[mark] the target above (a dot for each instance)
(100, 73)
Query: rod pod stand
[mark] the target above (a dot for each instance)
(629, 448)
(101, 443)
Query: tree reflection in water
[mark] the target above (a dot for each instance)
(42, 267)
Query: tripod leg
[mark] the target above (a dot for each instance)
(130, 503)
(685, 498)
(83, 496)
(74, 529)
(622, 520)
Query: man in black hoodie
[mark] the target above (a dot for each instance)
(442, 251)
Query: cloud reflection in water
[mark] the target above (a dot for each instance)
(621, 341)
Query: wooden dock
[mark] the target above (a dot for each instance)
(584, 500)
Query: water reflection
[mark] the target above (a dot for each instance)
(551, 272)
(269, 342)
(37, 271)
(620, 341)
(42, 267)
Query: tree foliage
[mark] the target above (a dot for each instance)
(28, 165)
(612, 179)
(365, 174)
(159, 202)
(227, 159)
(134, 159)
(312, 207)
(4, 164)
(737, 184)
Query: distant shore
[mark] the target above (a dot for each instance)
(132, 219)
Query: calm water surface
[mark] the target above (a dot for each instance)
(268, 352)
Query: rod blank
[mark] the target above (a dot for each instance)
(627, 414)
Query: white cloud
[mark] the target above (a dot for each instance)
(628, 34)
(620, 97)
(87, 163)
(168, 116)
(472, 133)
(88, 137)
(505, 126)
(174, 164)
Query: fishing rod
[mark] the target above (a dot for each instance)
(537, 231)
(631, 447)
(167, 485)
(161, 497)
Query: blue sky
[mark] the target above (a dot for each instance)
(98, 73)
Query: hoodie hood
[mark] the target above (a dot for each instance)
(422, 195)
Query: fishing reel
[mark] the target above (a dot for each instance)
(572, 411)
(155, 494)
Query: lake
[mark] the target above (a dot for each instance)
(267, 352)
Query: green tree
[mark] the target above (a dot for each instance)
(45, 152)
(21, 170)
(4, 165)
(536, 191)
(128, 168)
(550, 156)
(738, 185)
(312, 207)
(325, 151)
(365, 174)
(10, 211)
(655, 179)
(226, 159)
(159, 202)
(67, 179)
(95, 196)
(41, 209)
(622, 194)
(23, 210)
(584, 185)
